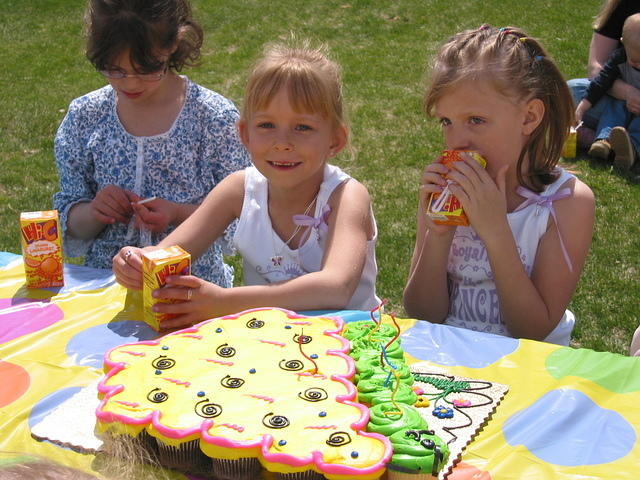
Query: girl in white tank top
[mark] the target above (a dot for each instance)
(306, 229)
(513, 270)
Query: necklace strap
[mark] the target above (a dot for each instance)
(319, 222)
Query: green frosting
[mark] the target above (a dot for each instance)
(380, 422)
(362, 329)
(415, 451)
(368, 367)
(362, 347)
(374, 392)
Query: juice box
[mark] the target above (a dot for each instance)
(41, 249)
(157, 265)
(448, 209)
(570, 146)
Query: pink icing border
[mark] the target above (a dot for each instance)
(267, 440)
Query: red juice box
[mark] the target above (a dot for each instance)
(444, 208)
(157, 265)
(41, 249)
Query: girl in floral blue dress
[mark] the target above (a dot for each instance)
(150, 135)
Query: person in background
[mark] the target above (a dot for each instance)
(136, 157)
(306, 230)
(618, 130)
(604, 40)
(513, 270)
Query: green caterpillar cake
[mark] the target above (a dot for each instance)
(384, 381)
(428, 414)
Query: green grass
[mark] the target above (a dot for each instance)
(383, 48)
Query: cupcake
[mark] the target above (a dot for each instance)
(363, 329)
(237, 469)
(369, 367)
(388, 418)
(373, 392)
(417, 455)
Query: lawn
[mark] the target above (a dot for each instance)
(384, 48)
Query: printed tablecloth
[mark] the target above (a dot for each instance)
(569, 414)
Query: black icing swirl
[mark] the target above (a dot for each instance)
(275, 421)
(207, 409)
(231, 382)
(338, 439)
(163, 363)
(304, 339)
(314, 394)
(291, 365)
(255, 323)
(157, 397)
(225, 350)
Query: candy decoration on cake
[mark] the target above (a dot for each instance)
(263, 388)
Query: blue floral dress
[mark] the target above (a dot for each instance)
(182, 165)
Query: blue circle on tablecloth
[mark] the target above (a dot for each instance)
(555, 426)
(87, 348)
(50, 402)
(346, 315)
(76, 277)
(7, 257)
(453, 346)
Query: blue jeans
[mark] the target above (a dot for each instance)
(578, 87)
(617, 115)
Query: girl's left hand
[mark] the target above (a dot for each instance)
(483, 199)
(156, 215)
(197, 299)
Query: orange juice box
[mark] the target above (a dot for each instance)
(157, 265)
(41, 249)
(444, 208)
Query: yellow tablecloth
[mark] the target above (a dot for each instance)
(569, 414)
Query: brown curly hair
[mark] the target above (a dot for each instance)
(144, 27)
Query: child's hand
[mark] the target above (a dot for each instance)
(127, 267)
(433, 181)
(582, 107)
(113, 204)
(198, 300)
(483, 199)
(155, 215)
(632, 99)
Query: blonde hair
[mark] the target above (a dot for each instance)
(519, 68)
(605, 13)
(311, 79)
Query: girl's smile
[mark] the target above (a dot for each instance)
(282, 140)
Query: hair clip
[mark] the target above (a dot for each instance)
(483, 27)
(523, 39)
(538, 58)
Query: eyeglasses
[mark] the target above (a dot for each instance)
(145, 77)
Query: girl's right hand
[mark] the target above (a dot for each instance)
(113, 204)
(127, 267)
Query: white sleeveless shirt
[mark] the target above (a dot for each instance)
(472, 292)
(267, 259)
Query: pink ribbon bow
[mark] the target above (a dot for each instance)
(546, 201)
(319, 222)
